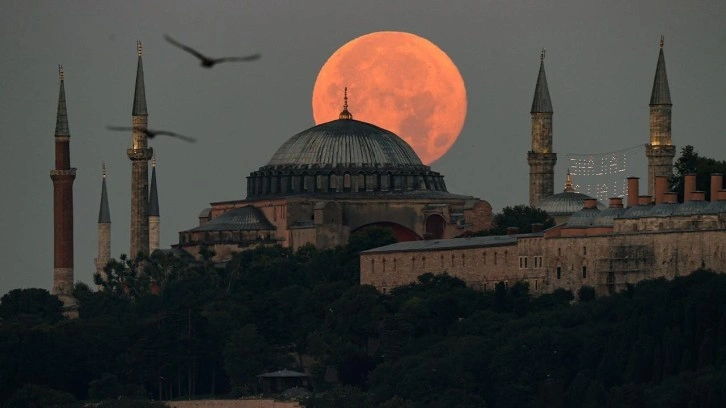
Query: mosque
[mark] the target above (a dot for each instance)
(345, 175)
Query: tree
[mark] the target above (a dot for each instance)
(691, 162)
(520, 216)
(31, 304)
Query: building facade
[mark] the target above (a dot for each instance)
(333, 179)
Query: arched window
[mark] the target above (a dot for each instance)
(346, 181)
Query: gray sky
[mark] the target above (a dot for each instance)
(601, 58)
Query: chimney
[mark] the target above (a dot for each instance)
(590, 203)
(537, 227)
(512, 230)
(716, 185)
(645, 200)
(615, 202)
(722, 195)
(633, 187)
(661, 187)
(689, 186)
(670, 197)
(698, 196)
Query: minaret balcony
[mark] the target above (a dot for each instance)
(140, 154)
(63, 173)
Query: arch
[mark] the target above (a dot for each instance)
(399, 231)
(435, 226)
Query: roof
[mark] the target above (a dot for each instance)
(345, 142)
(541, 101)
(153, 195)
(662, 210)
(104, 214)
(661, 94)
(374, 195)
(583, 218)
(454, 243)
(61, 120)
(283, 374)
(692, 207)
(247, 218)
(139, 107)
(606, 218)
(565, 203)
(637, 211)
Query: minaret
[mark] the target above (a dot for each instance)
(154, 220)
(139, 154)
(63, 175)
(104, 230)
(541, 159)
(660, 151)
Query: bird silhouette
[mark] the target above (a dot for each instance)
(208, 62)
(153, 133)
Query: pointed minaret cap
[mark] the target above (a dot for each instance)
(345, 114)
(139, 107)
(153, 195)
(541, 102)
(61, 120)
(104, 214)
(661, 94)
(568, 183)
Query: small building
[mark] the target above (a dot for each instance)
(279, 381)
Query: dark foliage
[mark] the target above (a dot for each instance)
(209, 331)
(691, 162)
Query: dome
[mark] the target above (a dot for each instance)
(692, 207)
(607, 217)
(567, 202)
(247, 218)
(663, 210)
(716, 207)
(347, 143)
(583, 218)
(344, 156)
(637, 211)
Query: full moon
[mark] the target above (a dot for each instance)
(400, 82)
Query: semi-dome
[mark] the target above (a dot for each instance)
(247, 218)
(344, 156)
(347, 143)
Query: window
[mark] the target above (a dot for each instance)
(522, 262)
(484, 258)
(384, 265)
(584, 272)
(463, 260)
(559, 272)
(495, 258)
(559, 251)
(535, 284)
(442, 261)
(394, 264)
(584, 250)
(346, 180)
(373, 265)
(452, 260)
(413, 264)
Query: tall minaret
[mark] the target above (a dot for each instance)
(63, 175)
(541, 159)
(154, 219)
(104, 230)
(660, 151)
(139, 154)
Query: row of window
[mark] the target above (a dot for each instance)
(524, 262)
(584, 272)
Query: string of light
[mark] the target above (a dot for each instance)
(602, 175)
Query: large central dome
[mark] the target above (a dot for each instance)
(344, 156)
(348, 143)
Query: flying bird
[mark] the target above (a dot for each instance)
(153, 133)
(208, 62)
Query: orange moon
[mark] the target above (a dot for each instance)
(400, 82)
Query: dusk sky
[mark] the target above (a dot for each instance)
(600, 62)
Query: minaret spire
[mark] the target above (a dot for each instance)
(104, 229)
(541, 159)
(154, 218)
(139, 154)
(63, 176)
(660, 149)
